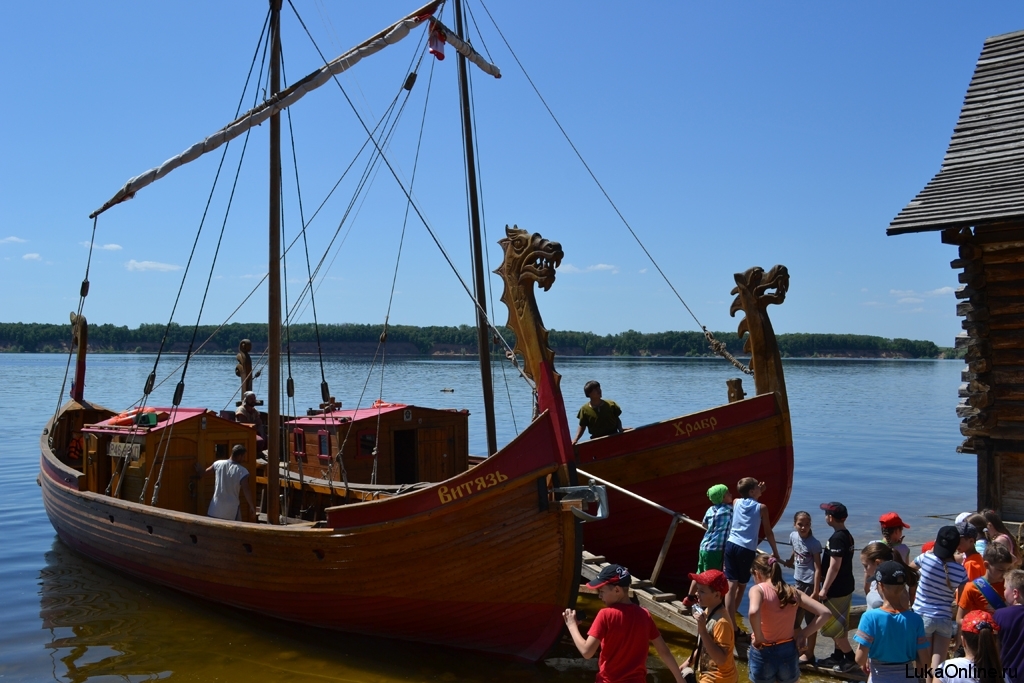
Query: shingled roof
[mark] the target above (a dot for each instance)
(982, 175)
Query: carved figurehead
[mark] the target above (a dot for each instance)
(528, 259)
(754, 290)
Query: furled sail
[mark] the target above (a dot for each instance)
(293, 94)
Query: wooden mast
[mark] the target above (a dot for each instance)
(274, 283)
(479, 284)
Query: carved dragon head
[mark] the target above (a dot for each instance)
(755, 290)
(752, 285)
(529, 259)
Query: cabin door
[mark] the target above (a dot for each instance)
(406, 471)
(434, 446)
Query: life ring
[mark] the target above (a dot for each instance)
(128, 417)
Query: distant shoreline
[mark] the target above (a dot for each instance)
(444, 342)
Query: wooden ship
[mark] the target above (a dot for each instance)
(126, 489)
(976, 203)
(674, 462)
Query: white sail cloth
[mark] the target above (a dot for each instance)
(293, 94)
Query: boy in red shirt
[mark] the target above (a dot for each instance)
(622, 630)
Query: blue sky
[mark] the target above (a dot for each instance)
(730, 135)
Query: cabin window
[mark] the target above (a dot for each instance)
(220, 451)
(323, 444)
(367, 442)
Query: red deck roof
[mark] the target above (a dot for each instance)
(174, 417)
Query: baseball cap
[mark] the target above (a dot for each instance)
(946, 541)
(613, 574)
(891, 573)
(716, 494)
(978, 620)
(891, 520)
(837, 510)
(962, 517)
(967, 529)
(713, 579)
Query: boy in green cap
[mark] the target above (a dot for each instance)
(712, 547)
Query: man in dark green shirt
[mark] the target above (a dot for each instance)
(598, 416)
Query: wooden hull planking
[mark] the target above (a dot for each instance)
(504, 558)
(673, 463)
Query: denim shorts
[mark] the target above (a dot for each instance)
(939, 626)
(774, 663)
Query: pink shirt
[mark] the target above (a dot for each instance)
(776, 622)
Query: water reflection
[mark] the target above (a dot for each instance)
(103, 626)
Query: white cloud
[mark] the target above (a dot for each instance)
(863, 289)
(31, 257)
(569, 269)
(12, 240)
(104, 247)
(643, 270)
(151, 265)
(910, 296)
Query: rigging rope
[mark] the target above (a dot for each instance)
(487, 241)
(394, 173)
(716, 346)
(82, 293)
(179, 390)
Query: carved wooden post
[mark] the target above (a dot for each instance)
(244, 367)
(735, 386)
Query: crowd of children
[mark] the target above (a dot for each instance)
(963, 589)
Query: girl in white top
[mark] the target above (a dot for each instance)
(981, 645)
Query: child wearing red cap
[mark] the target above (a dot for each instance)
(892, 534)
(982, 663)
(623, 631)
(713, 659)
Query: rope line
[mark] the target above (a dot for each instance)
(716, 346)
(401, 185)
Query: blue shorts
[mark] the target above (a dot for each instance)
(774, 663)
(738, 561)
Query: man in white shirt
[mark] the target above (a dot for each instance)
(231, 477)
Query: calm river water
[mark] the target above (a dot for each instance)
(876, 435)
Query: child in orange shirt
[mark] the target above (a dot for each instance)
(974, 562)
(986, 593)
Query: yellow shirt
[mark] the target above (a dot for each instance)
(709, 672)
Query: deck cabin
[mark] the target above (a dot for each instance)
(170, 447)
(404, 444)
(976, 202)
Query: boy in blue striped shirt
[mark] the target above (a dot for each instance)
(712, 547)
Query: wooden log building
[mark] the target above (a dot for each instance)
(976, 200)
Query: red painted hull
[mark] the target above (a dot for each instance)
(673, 463)
(375, 571)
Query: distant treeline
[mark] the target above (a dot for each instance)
(410, 340)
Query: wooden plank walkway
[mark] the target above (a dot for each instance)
(668, 607)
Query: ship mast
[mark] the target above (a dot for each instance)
(274, 281)
(479, 283)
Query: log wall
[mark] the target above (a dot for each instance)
(991, 303)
